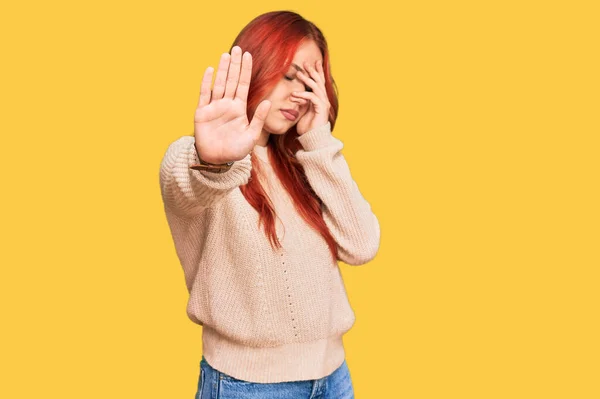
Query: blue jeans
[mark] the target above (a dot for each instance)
(214, 384)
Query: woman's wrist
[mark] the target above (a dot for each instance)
(202, 161)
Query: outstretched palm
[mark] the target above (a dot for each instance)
(221, 129)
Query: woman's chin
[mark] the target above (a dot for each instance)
(280, 127)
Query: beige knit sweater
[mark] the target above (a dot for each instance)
(267, 315)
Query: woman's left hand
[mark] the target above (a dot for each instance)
(318, 108)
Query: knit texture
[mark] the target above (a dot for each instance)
(267, 315)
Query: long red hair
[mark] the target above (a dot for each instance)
(273, 39)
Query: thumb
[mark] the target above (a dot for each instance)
(258, 120)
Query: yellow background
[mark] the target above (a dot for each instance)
(471, 128)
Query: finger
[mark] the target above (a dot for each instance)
(318, 75)
(205, 87)
(244, 85)
(312, 97)
(320, 70)
(219, 88)
(299, 100)
(234, 72)
(258, 120)
(317, 103)
(308, 81)
(313, 73)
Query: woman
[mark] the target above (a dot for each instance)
(261, 212)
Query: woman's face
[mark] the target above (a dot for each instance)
(281, 96)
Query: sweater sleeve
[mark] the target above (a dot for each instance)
(347, 214)
(188, 191)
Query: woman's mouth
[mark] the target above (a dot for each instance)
(290, 114)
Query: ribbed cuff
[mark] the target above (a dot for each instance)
(195, 158)
(239, 171)
(316, 138)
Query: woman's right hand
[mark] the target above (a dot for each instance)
(221, 127)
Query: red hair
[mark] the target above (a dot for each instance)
(273, 39)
